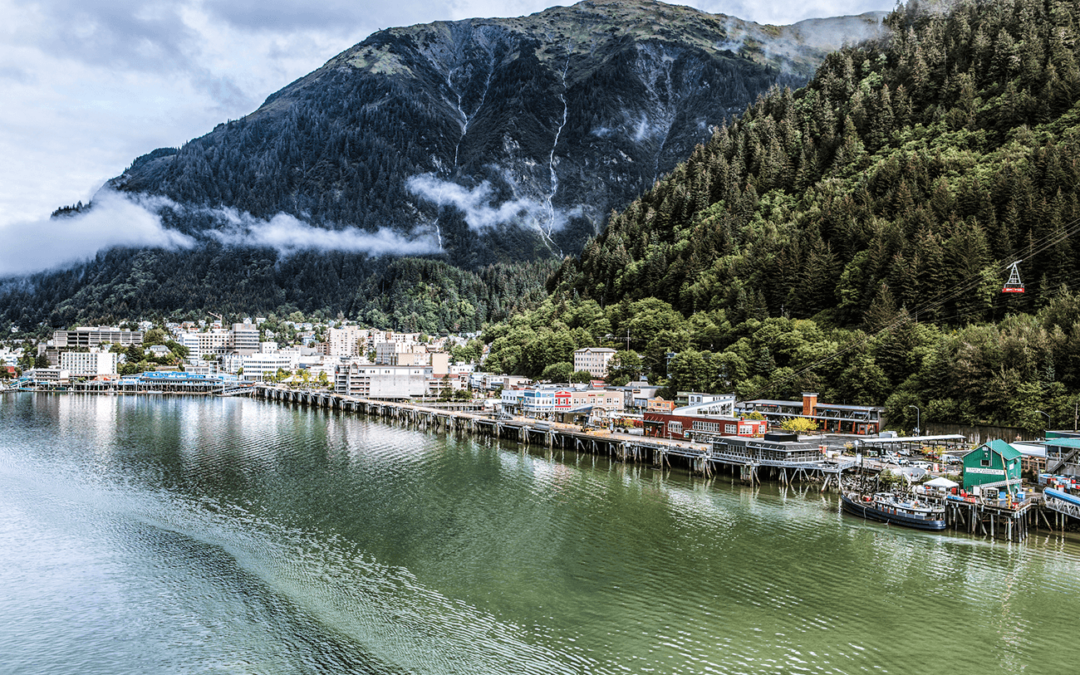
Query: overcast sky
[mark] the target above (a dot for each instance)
(91, 84)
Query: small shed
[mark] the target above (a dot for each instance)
(992, 465)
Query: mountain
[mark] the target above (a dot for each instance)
(563, 115)
(478, 142)
(853, 237)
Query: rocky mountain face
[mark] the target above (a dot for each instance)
(501, 139)
(480, 145)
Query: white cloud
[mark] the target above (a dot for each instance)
(476, 204)
(115, 220)
(288, 235)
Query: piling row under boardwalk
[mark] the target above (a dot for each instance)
(698, 457)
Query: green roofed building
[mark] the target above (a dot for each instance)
(992, 465)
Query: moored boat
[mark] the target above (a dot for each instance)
(886, 507)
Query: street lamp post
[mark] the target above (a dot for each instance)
(1047, 419)
(918, 419)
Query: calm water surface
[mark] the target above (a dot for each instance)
(167, 535)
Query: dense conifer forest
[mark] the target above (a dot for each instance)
(853, 237)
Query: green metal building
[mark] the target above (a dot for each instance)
(993, 465)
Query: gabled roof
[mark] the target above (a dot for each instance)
(1001, 447)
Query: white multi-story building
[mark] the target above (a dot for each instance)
(50, 375)
(593, 359)
(512, 399)
(212, 342)
(345, 341)
(539, 400)
(258, 366)
(382, 381)
(89, 364)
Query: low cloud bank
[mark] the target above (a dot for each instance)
(115, 220)
(481, 214)
(135, 221)
(289, 235)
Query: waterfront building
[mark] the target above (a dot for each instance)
(636, 395)
(608, 399)
(992, 465)
(773, 449)
(722, 405)
(836, 418)
(258, 366)
(382, 381)
(49, 375)
(594, 360)
(539, 401)
(512, 399)
(89, 364)
(693, 427)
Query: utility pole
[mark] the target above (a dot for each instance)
(1047, 418)
(918, 419)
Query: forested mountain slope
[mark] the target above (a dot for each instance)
(480, 142)
(889, 193)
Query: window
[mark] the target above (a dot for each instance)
(730, 428)
(985, 461)
(674, 427)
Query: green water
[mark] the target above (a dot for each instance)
(168, 535)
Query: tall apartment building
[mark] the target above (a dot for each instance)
(345, 341)
(89, 364)
(93, 337)
(593, 359)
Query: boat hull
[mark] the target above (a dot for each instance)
(871, 511)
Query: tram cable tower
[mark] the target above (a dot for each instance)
(1014, 285)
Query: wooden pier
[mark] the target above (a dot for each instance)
(1011, 523)
(698, 457)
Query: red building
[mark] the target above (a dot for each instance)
(694, 427)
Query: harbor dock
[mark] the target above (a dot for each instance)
(706, 458)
